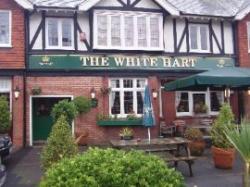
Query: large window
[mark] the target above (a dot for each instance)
(59, 33)
(248, 34)
(127, 96)
(128, 30)
(199, 37)
(5, 28)
(198, 103)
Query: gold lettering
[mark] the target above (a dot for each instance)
(94, 61)
(130, 61)
(153, 61)
(185, 62)
(84, 60)
(193, 62)
(176, 63)
(119, 61)
(167, 62)
(104, 61)
(144, 61)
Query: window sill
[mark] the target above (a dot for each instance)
(120, 122)
(6, 46)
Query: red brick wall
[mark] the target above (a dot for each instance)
(81, 86)
(17, 110)
(13, 58)
(244, 55)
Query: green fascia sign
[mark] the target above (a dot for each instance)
(115, 62)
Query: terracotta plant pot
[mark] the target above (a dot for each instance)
(197, 147)
(223, 158)
(82, 137)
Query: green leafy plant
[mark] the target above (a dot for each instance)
(239, 137)
(112, 168)
(60, 144)
(4, 115)
(224, 120)
(83, 104)
(126, 132)
(132, 117)
(66, 108)
(193, 134)
(102, 117)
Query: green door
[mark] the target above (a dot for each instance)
(42, 120)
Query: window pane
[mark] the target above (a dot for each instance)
(67, 33)
(115, 103)
(4, 28)
(102, 30)
(128, 83)
(182, 102)
(115, 83)
(129, 31)
(216, 99)
(142, 32)
(193, 37)
(199, 103)
(140, 96)
(128, 102)
(115, 31)
(53, 32)
(140, 83)
(204, 36)
(155, 32)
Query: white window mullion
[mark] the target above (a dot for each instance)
(208, 103)
(109, 31)
(148, 32)
(191, 102)
(60, 34)
(122, 98)
(134, 96)
(122, 29)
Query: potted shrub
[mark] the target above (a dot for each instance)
(83, 106)
(126, 134)
(197, 144)
(4, 116)
(222, 149)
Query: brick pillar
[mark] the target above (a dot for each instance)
(17, 112)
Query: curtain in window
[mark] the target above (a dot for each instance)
(115, 31)
(129, 31)
(53, 32)
(155, 32)
(115, 103)
(66, 33)
(203, 34)
(142, 31)
(102, 30)
(4, 28)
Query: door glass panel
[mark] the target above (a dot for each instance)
(182, 102)
(199, 103)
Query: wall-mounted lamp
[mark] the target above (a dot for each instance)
(154, 93)
(92, 93)
(248, 91)
(17, 92)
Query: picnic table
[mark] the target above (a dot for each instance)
(170, 146)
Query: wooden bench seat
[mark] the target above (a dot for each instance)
(188, 159)
(169, 149)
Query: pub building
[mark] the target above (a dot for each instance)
(109, 50)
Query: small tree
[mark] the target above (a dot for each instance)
(60, 144)
(4, 115)
(224, 120)
(66, 108)
(83, 104)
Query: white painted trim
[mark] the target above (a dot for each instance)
(87, 4)
(190, 102)
(135, 15)
(10, 29)
(60, 31)
(122, 90)
(26, 4)
(199, 50)
(241, 14)
(168, 7)
(248, 36)
(31, 112)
